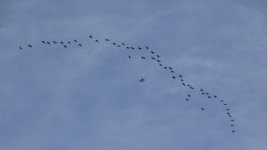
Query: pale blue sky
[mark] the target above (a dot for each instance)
(53, 98)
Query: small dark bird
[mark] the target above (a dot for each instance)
(165, 67)
(180, 76)
(173, 77)
(107, 39)
(232, 120)
(214, 96)
(80, 45)
(160, 65)
(228, 113)
(75, 41)
(69, 42)
(158, 56)
(191, 87)
(114, 43)
(225, 104)
(182, 80)
(203, 93)
(152, 57)
(142, 57)
(207, 93)
(118, 46)
(189, 95)
(30, 46)
(202, 109)
(187, 99)
(44, 42)
(129, 56)
(139, 48)
(61, 42)
(127, 47)
(227, 109)
(233, 131)
(188, 85)
(172, 71)
(142, 80)
(132, 48)
(48, 43)
(90, 36)
(232, 125)
(54, 42)
(222, 101)
(65, 46)
(209, 96)
(230, 116)
(152, 52)
(158, 60)
(170, 68)
(183, 84)
(20, 48)
(97, 41)
(123, 44)
(201, 90)
(147, 47)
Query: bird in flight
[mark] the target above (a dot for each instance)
(165, 67)
(152, 57)
(173, 77)
(69, 42)
(127, 47)
(180, 76)
(30, 46)
(107, 39)
(114, 43)
(97, 41)
(20, 48)
(160, 65)
(61, 42)
(54, 42)
(80, 45)
(201, 90)
(48, 43)
(189, 95)
(139, 48)
(75, 41)
(202, 109)
(142, 57)
(123, 44)
(183, 84)
(152, 52)
(65, 46)
(147, 47)
(187, 99)
(129, 56)
(142, 80)
(44, 42)
(90, 36)
(158, 56)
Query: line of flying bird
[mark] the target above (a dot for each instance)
(153, 57)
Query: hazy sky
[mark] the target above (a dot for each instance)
(52, 98)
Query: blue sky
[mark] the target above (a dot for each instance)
(91, 98)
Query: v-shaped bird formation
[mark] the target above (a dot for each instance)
(153, 57)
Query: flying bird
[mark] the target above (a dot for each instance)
(44, 42)
(80, 45)
(132, 48)
(232, 125)
(48, 43)
(142, 80)
(20, 48)
(114, 43)
(222, 101)
(158, 56)
(152, 52)
(147, 47)
(180, 76)
(172, 71)
(187, 99)
(69, 42)
(97, 41)
(54, 42)
(123, 44)
(214, 96)
(173, 77)
(201, 90)
(127, 47)
(152, 57)
(139, 48)
(189, 95)
(90, 36)
(158, 60)
(233, 131)
(30, 46)
(202, 109)
(129, 56)
(118, 46)
(65, 46)
(75, 41)
(142, 57)
(183, 84)
(160, 65)
(165, 67)
(107, 39)
(61, 42)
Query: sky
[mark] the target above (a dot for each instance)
(90, 97)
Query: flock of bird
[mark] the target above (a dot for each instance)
(154, 57)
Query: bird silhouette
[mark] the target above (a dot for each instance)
(48, 43)
(80, 45)
(44, 42)
(209, 96)
(147, 47)
(152, 57)
(165, 67)
(172, 71)
(75, 41)
(107, 39)
(127, 47)
(118, 46)
(69, 42)
(123, 44)
(203, 93)
(182, 80)
(157, 56)
(54, 42)
(189, 95)
(97, 41)
(173, 77)
(232, 125)
(114, 43)
(187, 99)
(30, 46)
(160, 65)
(201, 90)
(180, 76)
(152, 52)
(233, 131)
(90, 36)
(65, 46)
(183, 84)
(202, 109)
(142, 57)
(139, 48)
(61, 42)
(214, 96)
(20, 48)
(132, 48)
(222, 101)
(129, 56)
(158, 60)
(142, 80)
